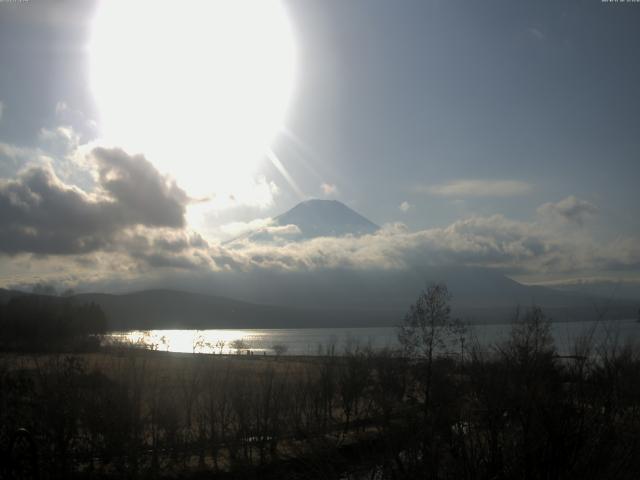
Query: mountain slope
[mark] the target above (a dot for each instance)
(326, 218)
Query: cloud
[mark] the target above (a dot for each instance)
(62, 147)
(12, 157)
(405, 206)
(85, 127)
(150, 199)
(165, 248)
(329, 189)
(43, 215)
(570, 209)
(60, 141)
(490, 241)
(276, 234)
(478, 188)
(265, 232)
(145, 254)
(13, 152)
(61, 108)
(235, 229)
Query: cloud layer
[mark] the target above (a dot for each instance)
(131, 225)
(479, 188)
(570, 209)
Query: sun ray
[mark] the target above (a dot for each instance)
(301, 153)
(308, 155)
(283, 171)
(308, 150)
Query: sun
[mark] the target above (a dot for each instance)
(199, 86)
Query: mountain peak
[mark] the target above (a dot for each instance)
(326, 218)
(311, 219)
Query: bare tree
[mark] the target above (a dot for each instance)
(279, 349)
(428, 328)
(220, 346)
(426, 331)
(238, 345)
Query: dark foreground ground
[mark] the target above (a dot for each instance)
(515, 411)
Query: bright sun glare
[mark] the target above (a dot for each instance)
(199, 86)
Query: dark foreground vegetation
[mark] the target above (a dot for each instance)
(440, 408)
(41, 323)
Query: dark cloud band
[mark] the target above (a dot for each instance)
(40, 214)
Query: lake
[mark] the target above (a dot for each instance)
(314, 341)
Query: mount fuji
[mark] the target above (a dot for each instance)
(312, 219)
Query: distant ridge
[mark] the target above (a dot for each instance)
(177, 309)
(158, 309)
(479, 296)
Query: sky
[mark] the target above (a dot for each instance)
(135, 141)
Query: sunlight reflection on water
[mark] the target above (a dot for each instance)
(194, 341)
(311, 341)
(303, 341)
